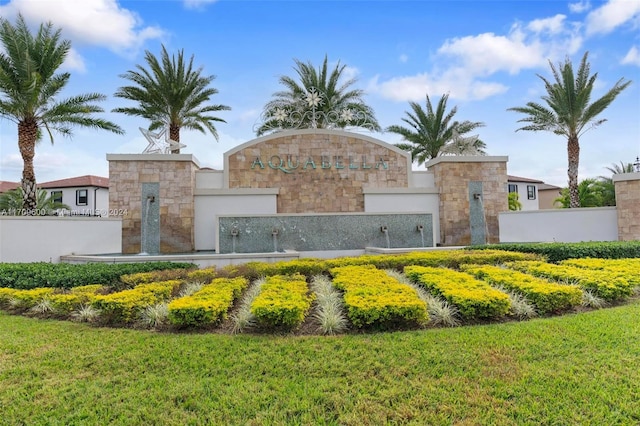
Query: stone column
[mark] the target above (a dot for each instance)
(628, 205)
(458, 179)
(175, 175)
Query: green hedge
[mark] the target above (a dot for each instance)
(556, 252)
(65, 275)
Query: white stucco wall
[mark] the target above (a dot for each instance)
(405, 200)
(559, 225)
(423, 179)
(209, 179)
(97, 200)
(211, 203)
(522, 196)
(46, 238)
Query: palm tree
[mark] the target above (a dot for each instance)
(319, 100)
(568, 111)
(433, 133)
(589, 194)
(11, 203)
(171, 93)
(28, 89)
(608, 187)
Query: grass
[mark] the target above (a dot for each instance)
(575, 369)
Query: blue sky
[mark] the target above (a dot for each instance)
(485, 54)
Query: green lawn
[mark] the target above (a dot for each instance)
(575, 369)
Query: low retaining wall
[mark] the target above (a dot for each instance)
(559, 225)
(46, 238)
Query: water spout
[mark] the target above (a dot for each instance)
(420, 229)
(234, 237)
(385, 230)
(145, 226)
(274, 234)
(484, 216)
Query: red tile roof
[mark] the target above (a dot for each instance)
(511, 178)
(8, 186)
(88, 180)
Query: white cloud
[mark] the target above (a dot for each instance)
(613, 14)
(97, 22)
(403, 58)
(579, 7)
(553, 25)
(197, 4)
(464, 64)
(73, 62)
(456, 81)
(632, 57)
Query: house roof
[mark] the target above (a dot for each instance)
(547, 187)
(511, 178)
(87, 180)
(8, 186)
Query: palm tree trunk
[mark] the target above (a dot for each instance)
(27, 136)
(573, 154)
(174, 135)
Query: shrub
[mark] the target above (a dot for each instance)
(283, 302)
(627, 268)
(546, 296)
(64, 275)
(373, 298)
(474, 299)
(133, 280)
(26, 299)
(125, 306)
(243, 318)
(556, 252)
(329, 306)
(601, 283)
(207, 306)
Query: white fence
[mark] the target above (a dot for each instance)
(559, 225)
(46, 238)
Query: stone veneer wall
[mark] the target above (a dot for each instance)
(319, 190)
(176, 175)
(452, 176)
(628, 205)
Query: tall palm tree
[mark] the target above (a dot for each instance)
(321, 99)
(568, 111)
(433, 132)
(29, 85)
(171, 93)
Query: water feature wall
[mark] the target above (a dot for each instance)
(174, 177)
(477, 214)
(150, 218)
(458, 178)
(323, 232)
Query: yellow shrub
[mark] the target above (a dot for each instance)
(283, 301)
(546, 296)
(473, 298)
(373, 298)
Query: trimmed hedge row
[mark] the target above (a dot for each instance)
(603, 284)
(474, 299)
(207, 306)
(445, 258)
(126, 306)
(283, 302)
(627, 268)
(556, 252)
(65, 275)
(545, 295)
(373, 298)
